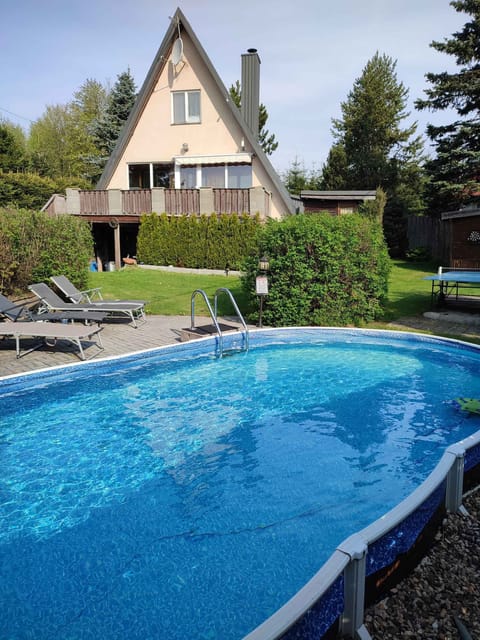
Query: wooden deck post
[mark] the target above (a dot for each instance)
(116, 240)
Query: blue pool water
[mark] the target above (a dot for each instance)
(178, 496)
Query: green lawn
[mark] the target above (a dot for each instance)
(167, 293)
(408, 293)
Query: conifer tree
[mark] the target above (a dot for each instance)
(334, 171)
(12, 147)
(455, 170)
(119, 104)
(380, 151)
(265, 138)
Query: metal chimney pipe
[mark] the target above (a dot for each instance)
(251, 89)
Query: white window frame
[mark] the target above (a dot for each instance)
(199, 175)
(188, 119)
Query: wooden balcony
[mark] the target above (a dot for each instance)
(128, 206)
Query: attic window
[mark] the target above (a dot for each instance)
(185, 107)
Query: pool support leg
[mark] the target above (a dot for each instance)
(351, 621)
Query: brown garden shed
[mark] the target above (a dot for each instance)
(463, 229)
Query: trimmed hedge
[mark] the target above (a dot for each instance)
(324, 270)
(36, 246)
(31, 191)
(209, 242)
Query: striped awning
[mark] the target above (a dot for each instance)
(232, 158)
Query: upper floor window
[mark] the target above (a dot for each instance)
(185, 107)
(139, 176)
(147, 175)
(188, 177)
(213, 176)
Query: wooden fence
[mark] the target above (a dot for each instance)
(432, 234)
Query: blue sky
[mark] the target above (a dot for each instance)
(311, 52)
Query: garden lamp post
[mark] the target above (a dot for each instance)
(261, 284)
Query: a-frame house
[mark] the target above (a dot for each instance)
(186, 148)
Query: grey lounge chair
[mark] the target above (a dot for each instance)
(53, 302)
(75, 295)
(20, 312)
(51, 331)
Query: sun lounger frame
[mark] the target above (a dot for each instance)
(53, 302)
(72, 333)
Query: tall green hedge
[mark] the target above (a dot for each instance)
(30, 191)
(324, 270)
(36, 246)
(197, 242)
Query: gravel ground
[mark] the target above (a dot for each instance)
(443, 587)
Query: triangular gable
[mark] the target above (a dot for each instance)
(179, 23)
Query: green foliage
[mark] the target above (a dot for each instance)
(374, 208)
(50, 142)
(121, 99)
(31, 191)
(265, 138)
(25, 190)
(187, 241)
(297, 178)
(324, 270)
(12, 147)
(335, 169)
(453, 172)
(378, 150)
(419, 254)
(36, 246)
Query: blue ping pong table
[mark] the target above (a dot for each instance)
(446, 283)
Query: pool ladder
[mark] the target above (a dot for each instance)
(214, 316)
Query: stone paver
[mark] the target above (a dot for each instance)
(456, 325)
(118, 338)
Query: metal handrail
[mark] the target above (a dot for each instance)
(212, 315)
(237, 311)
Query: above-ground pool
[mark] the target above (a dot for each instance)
(174, 495)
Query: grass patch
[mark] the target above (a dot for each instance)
(408, 293)
(167, 293)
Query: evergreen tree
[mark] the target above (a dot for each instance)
(297, 178)
(107, 127)
(88, 105)
(455, 171)
(334, 171)
(265, 138)
(380, 151)
(12, 147)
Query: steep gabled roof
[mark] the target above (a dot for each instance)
(180, 22)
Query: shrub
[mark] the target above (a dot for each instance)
(210, 242)
(31, 191)
(36, 246)
(324, 270)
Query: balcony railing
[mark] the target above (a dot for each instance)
(135, 202)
